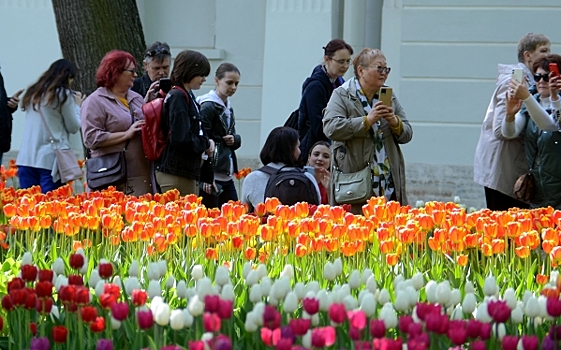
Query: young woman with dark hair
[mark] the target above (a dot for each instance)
(319, 158)
(112, 118)
(317, 90)
(281, 150)
(51, 99)
(220, 125)
(179, 166)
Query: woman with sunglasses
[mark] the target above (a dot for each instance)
(317, 90)
(539, 120)
(366, 132)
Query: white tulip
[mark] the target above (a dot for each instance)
(517, 315)
(284, 288)
(500, 332)
(154, 289)
(288, 271)
(430, 289)
(482, 314)
(290, 303)
(247, 268)
(455, 297)
(81, 252)
(163, 267)
(338, 266)
(99, 288)
(255, 295)
(510, 298)
(94, 278)
(350, 303)
(383, 297)
(155, 302)
(443, 292)
(542, 300)
(419, 204)
(153, 271)
(252, 278)
(273, 301)
(457, 199)
(469, 303)
(58, 266)
(187, 318)
(368, 304)
(84, 269)
(176, 320)
(54, 313)
(457, 313)
(527, 296)
(321, 296)
(388, 315)
(315, 319)
(249, 325)
(418, 281)
(131, 283)
(469, 287)
(312, 286)
(354, 280)
(366, 273)
(133, 269)
(329, 271)
(262, 271)
(181, 289)
(371, 284)
(532, 308)
(401, 301)
(222, 276)
(204, 288)
(27, 259)
(191, 292)
(490, 286)
(228, 292)
(344, 291)
(115, 324)
(307, 339)
(206, 338)
(170, 282)
(413, 295)
(117, 281)
(161, 316)
(265, 284)
(196, 272)
(397, 280)
(258, 311)
(195, 306)
(300, 290)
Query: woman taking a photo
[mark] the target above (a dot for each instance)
(112, 118)
(49, 99)
(317, 90)
(220, 125)
(367, 133)
(179, 166)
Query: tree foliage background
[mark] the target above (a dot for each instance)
(88, 29)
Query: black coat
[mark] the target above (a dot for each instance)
(142, 84)
(182, 154)
(5, 119)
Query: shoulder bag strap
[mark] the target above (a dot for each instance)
(536, 152)
(46, 126)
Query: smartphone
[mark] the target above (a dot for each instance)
(553, 68)
(310, 169)
(165, 85)
(518, 75)
(385, 95)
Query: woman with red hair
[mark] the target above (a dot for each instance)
(112, 118)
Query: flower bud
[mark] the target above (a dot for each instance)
(290, 303)
(133, 269)
(384, 297)
(300, 290)
(247, 268)
(58, 266)
(181, 289)
(187, 318)
(162, 314)
(170, 282)
(162, 267)
(350, 302)
(387, 314)
(469, 303)
(204, 288)
(338, 266)
(222, 276)
(153, 271)
(455, 297)
(418, 281)
(266, 284)
(354, 279)
(176, 320)
(517, 315)
(94, 278)
(27, 259)
(115, 324)
(228, 292)
(490, 286)
(288, 271)
(131, 283)
(532, 309)
(368, 305)
(401, 301)
(255, 295)
(154, 289)
(262, 271)
(510, 298)
(443, 292)
(197, 272)
(469, 287)
(366, 273)
(482, 314)
(252, 278)
(371, 284)
(329, 271)
(195, 306)
(430, 289)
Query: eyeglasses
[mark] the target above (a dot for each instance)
(538, 77)
(381, 69)
(133, 71)
(160, 51)
(341, 62)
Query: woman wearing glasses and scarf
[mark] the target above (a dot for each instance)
(365, 132)
(539, 120)
(317, 90)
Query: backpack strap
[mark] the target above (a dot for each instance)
(269, 170)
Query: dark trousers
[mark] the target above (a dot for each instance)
(228, 193)
(29, 176)
(499, 201)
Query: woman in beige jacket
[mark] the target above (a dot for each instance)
(365, 132)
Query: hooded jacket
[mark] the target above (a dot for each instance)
(213, 116)
(5, 119)
(316, 91)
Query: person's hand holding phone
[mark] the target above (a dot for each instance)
(13, 101)
(512, 106)
(518, 90)
(152, 92)
(378, 111)
(78, 98)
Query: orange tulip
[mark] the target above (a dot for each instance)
(541, 279)
(392, 259)
(486, 249)
(386, 247)
(267, 233)
(250, 253)
(271, 204)
(332, 245)
(462, 259)
(522, 252)
(498, 246)
(555, 256)
(211, 254)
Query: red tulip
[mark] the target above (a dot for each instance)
(46, 275)
(323, 336)
(388, 344)
(107, 300)
(196, 345)
(436, 323)
(59, 334)
(44, 305)
(477, 345)
(311, 305)
(75, 280)
(485, 331)
(415, 329)
(33, 328)
(67, 293)
(271, 318)
(19, 297)
(28, 273)
(225, 309)
(98, 325)
(1, 323)
(145, 319)
(355, 333)
(212, 303)
(377, 328)
(110, 288)
(337, 313)
(284, 344)
(105, 270)
(553, 306)
(457, 332)
(299, 326)
(404, 323)
(509, 342)
(76, 261)
(138, 297)
(423, 309)
(88, 313)
(82, 295)
(120, 310)
(421, 342)
(211, 322)
(31, 300)
(473, 328)
(16, 283)
(530, 342)
(499, 311)
(270, 337)
(44, 289)
(7, 303)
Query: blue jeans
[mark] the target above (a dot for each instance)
(29, 176)
(228, 193)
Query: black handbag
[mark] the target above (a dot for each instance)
(106, 170)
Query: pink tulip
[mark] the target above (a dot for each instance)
(311, 305)
(377, 328)
(145, 319)
(499, 311)
(357, 319)
(299, 326)
(337, 313)
(530, 342)
(323, 336)
(553, 306)
(120, 310)
(509, 342)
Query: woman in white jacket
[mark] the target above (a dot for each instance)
(49, 98)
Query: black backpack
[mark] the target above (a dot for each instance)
(292, 120)
(290, 186)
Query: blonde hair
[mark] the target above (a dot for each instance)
(365, 57)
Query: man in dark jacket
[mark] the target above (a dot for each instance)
(8, 105)
(157, 62)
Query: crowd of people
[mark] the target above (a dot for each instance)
(345, 150)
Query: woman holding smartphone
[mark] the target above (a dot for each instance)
(539, 121)
(366, 132)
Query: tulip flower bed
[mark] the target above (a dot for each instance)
(107, 271)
